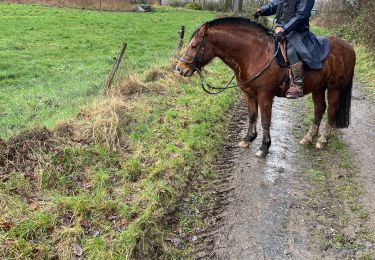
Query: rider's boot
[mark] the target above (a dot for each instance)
(296, 87)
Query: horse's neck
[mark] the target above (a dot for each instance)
(242, 49)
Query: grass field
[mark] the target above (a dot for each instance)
(107, 183)
(89, 200)
(54, 60)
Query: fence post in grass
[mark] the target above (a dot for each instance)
(115, 66)
(181, 41)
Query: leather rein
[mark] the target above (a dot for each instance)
(208, 88)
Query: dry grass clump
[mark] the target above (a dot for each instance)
(165, 74)
(130, 86)
(156, 80)
(102, 123)
(23, 151)
(156, 73)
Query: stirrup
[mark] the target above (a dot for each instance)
(294, 92)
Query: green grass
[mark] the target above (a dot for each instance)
(55, 60)
(116, 204)
(365, 68)
(84, 195)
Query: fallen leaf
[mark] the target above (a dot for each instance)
(5, 226)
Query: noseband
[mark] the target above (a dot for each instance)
(197, 58)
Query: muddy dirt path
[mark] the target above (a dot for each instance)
(360, 138)
(259, 212)
(262, 218)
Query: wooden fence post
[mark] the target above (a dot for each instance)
(115, 66)
(181, 41)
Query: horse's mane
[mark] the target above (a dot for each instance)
(238, 20)
(235, 21)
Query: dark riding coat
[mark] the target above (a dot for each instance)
(293, 16)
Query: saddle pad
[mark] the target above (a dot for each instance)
(324, 51)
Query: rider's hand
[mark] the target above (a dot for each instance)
(279, 33)
(257, 13)
(279, 36)
(279, 29)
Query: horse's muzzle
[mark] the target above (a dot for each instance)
(184, 70)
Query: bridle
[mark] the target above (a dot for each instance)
(208, 88)
(198, 55)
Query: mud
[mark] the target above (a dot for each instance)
(360, 138)
(259, 210)
(260, 216)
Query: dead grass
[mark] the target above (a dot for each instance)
(130, 86)
(156, 80)
(23, 151)
(101, 123)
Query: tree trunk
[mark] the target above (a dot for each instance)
(237, 5)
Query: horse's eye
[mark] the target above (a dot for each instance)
(194, 46)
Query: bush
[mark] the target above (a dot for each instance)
(193, 6)
(354, 22)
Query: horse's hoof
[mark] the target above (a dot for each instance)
(305, 141)
(244, 144)
(260, 154)
(320, 145)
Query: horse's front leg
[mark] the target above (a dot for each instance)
(265, 106)
(252, 106)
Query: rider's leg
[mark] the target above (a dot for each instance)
(296, 67)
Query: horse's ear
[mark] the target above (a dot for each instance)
(203, 30)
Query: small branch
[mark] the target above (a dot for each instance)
(115, 66)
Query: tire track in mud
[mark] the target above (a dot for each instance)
(256, 213)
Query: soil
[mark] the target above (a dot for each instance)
(258, 213)
(360, 138)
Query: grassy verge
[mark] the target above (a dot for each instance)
(105, 184)
(365, 68)
(54, 60)
(337, 218)
(365, 65)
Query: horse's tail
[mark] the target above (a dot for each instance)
(342, 119)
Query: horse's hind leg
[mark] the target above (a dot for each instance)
(319, 109)
(252, 103)
(334, 96)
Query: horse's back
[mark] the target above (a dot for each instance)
(341, 58)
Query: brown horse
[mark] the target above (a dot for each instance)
(247, 47)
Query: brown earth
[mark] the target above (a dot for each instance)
(360, 138)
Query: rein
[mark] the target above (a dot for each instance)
(208, 88)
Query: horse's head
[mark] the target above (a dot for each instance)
(197, 54)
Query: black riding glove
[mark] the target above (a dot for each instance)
(257, 14)
(279, 36)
